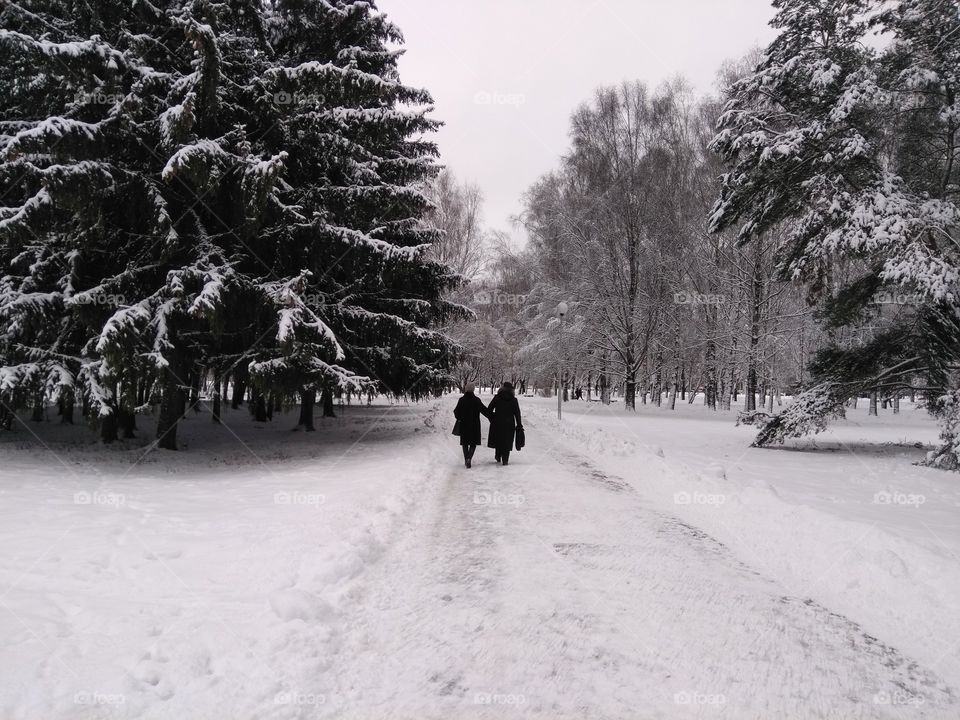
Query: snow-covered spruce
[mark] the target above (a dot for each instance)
(856, 152)
(211, 190)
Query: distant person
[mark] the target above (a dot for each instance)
(504, 422)
(468, 411)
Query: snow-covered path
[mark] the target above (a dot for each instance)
(550, 589)
(363, 573)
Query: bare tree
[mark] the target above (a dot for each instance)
(457, 215)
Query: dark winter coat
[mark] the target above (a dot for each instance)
(506, 419)
(468, 411)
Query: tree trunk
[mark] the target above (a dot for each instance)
(259, 406)
(750, 392)
(658, 378)
(109, 424)
(196, 380)
(239, 387)
(710, 383)
(896, 404)
(127, 416)
(127, 421)
(38, 406)
(326, 398)
(216, 398)
(108, 427)
(66, 408)
(171, 402)
(307, 400)
(604, 382)
(630, 395)
(142, 387)
(873, 403)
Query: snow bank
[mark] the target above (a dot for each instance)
(210, 583)
(844, 520)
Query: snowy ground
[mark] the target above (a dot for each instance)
(844, 517)
(622, 566)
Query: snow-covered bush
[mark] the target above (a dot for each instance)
(808, 413)
(947, 412)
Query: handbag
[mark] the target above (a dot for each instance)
(521, 438)
(456, 428)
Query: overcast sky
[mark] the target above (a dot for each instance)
(506, 74)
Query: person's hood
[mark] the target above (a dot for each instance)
(506, 392)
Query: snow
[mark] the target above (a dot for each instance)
(319, 70)
(67, 50)
(52, 128)
(187, 586)
(199, 153)
(843, 517)
(647, 565)
(11, 216)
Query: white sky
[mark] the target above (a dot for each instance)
(536, 60)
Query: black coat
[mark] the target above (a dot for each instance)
(506, 419)
(468, 411)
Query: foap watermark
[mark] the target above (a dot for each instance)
(691, 697)
(89, 697)
(485, 698)
(98, 497)
(495, 297)
(486, 97)
(891, 298)
(886, 497)
(688, 297)
(898, 697)
(698, 498)
(299, 498)
(108, 299)
(290, 697)
(486, 497)
(98, 97)
(287, 98)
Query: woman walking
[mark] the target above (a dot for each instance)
(504, 422)
(468, 411)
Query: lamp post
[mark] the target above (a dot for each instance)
(561, 311)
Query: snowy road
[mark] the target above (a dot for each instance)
(550, 589)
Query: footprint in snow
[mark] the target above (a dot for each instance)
(296, 604)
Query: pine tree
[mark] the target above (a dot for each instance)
(856, 152)
(194, 186)
(355, 259)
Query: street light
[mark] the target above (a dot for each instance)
(561, 311)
